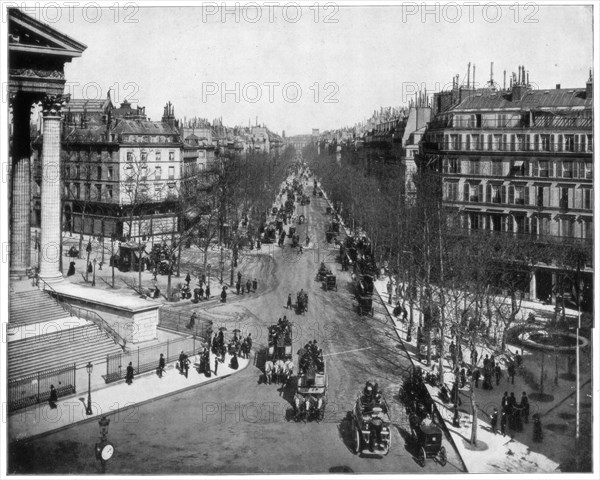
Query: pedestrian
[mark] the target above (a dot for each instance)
(207, 291)
(463, 377)
(511, 372)
(234, 362)
(248, 285)
(186, 365)
(455, 394)
(200, 292)
(239, 275)
(452, 350)
(192, 321)
(476, 375)
(216, 363)
(511, 410)
(494, 420)
(223, 296)
(503, 423)
(498, 372)
(299, 249)
(180, 363)
(504, 401)
(71, 270)
(307, 240)
(525, 407)
(473, 356)
(254, 285)
(129, 374)
(237, 287)
(389, 290)
(538, 435)
(154, 273)
(289, 302)
(53, 397)
(188, 278)
(518, 359)
(161, 366)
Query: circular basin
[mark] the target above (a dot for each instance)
(554, 341)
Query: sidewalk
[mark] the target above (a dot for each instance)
(495, 453)
(118, 398)
(515, 452)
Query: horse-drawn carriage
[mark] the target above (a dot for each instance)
(279, 366)
(323, 272)
(310, 399)
(330, 282)
(270, 233)
(301, 302)
(129, 257)
(428, 439)
(363, 292)
(371, 423)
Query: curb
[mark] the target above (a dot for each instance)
(442, 421)
(119, 410)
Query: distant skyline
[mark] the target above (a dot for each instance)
(373, 56)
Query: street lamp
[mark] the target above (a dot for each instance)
(89, 367)
(94, 275)
(88, 249)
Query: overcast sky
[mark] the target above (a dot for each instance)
(323, 68)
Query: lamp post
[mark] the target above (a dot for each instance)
(89, 367)
(94, 274)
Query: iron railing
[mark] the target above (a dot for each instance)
(145, 359)
(35, 388)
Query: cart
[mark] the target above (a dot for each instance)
(330, 282)
(363, 431)
(365, 305)
(429, 441)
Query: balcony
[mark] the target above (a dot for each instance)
(506, 147)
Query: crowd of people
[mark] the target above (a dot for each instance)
(310, 359)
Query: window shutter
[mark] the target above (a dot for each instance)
(488, 192)
(511, 194)
(466, 192)
(526, 195)
(480, 194)
(503, 194)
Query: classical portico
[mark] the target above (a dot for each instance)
(36, 54)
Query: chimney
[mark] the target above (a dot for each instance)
(504, 85)
(558, 86)
(589, 86)
(469, 75)
(473, 75)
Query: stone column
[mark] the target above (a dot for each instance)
(51, 204)
(20, 187)
(533, 286)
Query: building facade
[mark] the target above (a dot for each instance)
(518, 161)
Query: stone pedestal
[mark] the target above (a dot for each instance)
(50, 198)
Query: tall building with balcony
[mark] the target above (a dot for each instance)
(121, 173)
(518, 161)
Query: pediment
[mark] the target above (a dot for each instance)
(27, 34)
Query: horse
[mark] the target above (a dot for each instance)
(299, 407)
(279, 369)
(269, 367)
(288, 372)
(314, 407)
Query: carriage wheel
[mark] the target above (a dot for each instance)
(442, 457)
(356, 440)
(422, 457)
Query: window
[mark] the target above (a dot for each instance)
(589, 144)
(158, 192)
(520, 224)
(519, 168)
(497, 168)
(587, 198)
(451, 191)
(157, 173)
(566, 227)
(98, 191)
(569, 143)
(496, 194)
(144, 172)
(521, 143)
(451, 165)
(545, 143)
(497, 143)
(77, 191)
(541, 169)
(587, 228)
(144, 156)
(563, 202)
(99, 172)
(77, 171)
(474, 167)
(157, 155)
(87, 191)
(520, 194)
(567, 169)
(539, 202)
(130, 156)
(171, 173)
(109, 192)
(588, 170)
(171, 156)
(109, 173)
